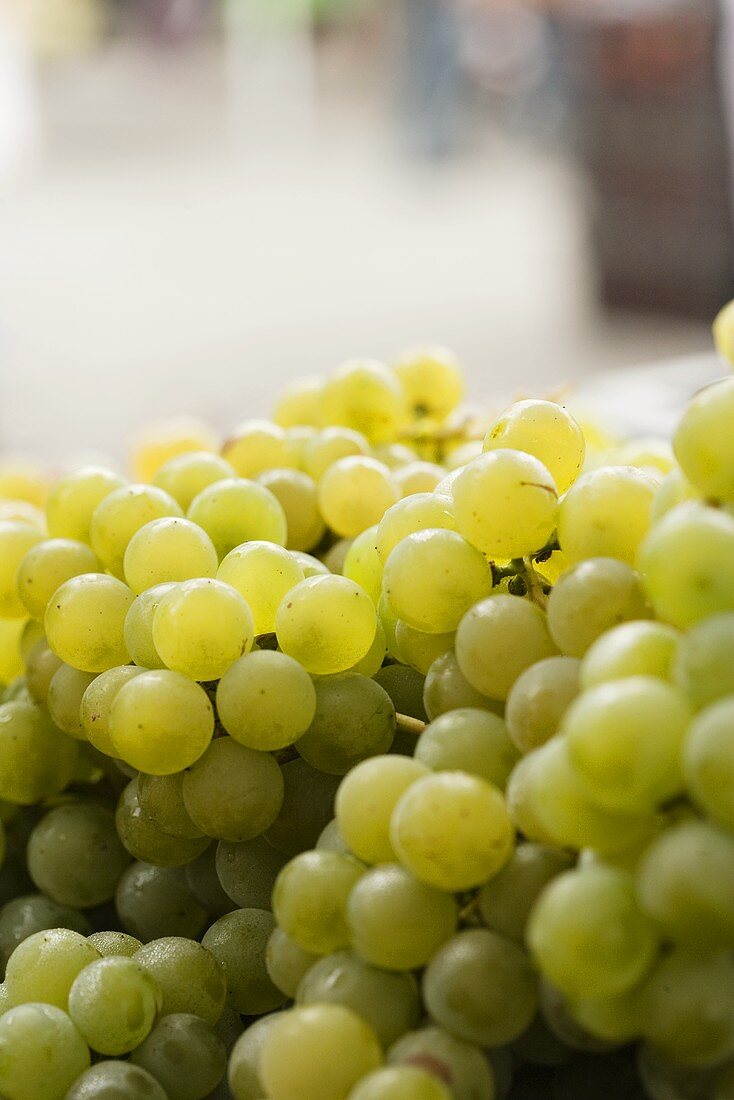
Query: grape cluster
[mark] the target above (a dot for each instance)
(378, 753)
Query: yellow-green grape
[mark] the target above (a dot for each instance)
(394, 455)
(23, 512)
(538, 700)
(160, 722)
(616, 1020)
(363, 564)
(723, 330)
(97, 701)
(400, 1083)
(445, 485)
(45, 568)
(463, 1067)
(170, 549)
(232, 792)
(686, 564)
(704, 442)
(73, 498)
(365, 801)
(308, 807)
(673, 489)
(317, 1052)
(446, 688)
(364, 395)
(161, 799)
(329, 446)
(114, 943)
(469, 740)
(116, 1078)
(414, 513)
(189, 977)
(23, 479)
(327, 624)
(30, 633)
(266, 700)
(144, 839)
(354, 493)
(311, 566)
(591, 598)
(139, 626)
(300, 402)
(85, 622)
(238, 941)
(186, 475)
(36, 759)
(336, 555)
(545, 430)
(310, 899)
(507, 900)
(433, 577)
(114, 1003)
(354, 719)
(298, 497)
(418, 649)
(156, 901)
(64, 699)
(704, 665)
(708, 762)
(651, 454)
(235, 510)
(120, 514)
(452, 830)
(243, 1074)
(201, 627)
(432, 381)
(286, 962)
(606, 513)
(16, 539)
(74, 855)
(498, 639)
(254, 446)
(631, 649)
(185, 1055)
(11, 658)
(263, 573)
(41, 1053)
(462, 454)
(375, 655)
(164, 439)
(43, 967)
(297, 440)
(417, 477)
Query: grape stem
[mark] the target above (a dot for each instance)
(534, 583)
(406, 724)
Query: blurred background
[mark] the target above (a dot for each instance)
(202, 199)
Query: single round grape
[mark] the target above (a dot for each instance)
(538, 700)
(40, 665)
(364, 395)
(232, 792)
(704, 664)
(396, 921)
(632, 649)
(299, 403)
(310, 899)
(120, 514)
(156, 901)
(184, 1055)
(366, 799)
(203, 882)
(36, 759)
(144, 839)
(354, 719)
(161, 722)
(46, 566)
(139, 626)
(405, 687)
(432, 381)
(111, 1080)
(238, 942)
(723, 330)
(400, 1083)
(708, 761)
(263, 573)
(85, 622)
(27, 914)
(75, 856)
(168, 549)
(354, 493)
(161, 800)
(329, 445)
(468, 740)
(43, 967)
(327, 624)
(73, 498)
(114, 943)
(590, 599)
(616, 1019)
(235, 510)
(243, 1075)
(543, 429)
(188, 976)
(415, 513)
(446, 688)
(254, 446)
(459, 1065)
(114, 1003)
(506, 901)
(703, 441)
(186, 475)
(16, 540)
(606, 513)
(417, 477)
(688, 1007)
(336, 555)
(363, 564)
(247, 870)
(498, 639)
(201, 627)
(165, 439)
(96, 704)
(308, 806)
(64, 698)
(41, 1053)
(297, 494)
(419, 649)
(286, 962)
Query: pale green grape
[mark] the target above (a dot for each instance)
(254, 446)
(329, 446)
(405, 687)
(170, 549)
(308, 806)
(589, 599)
(46, 566)
(589, 936)
(505, 503)
(184, 476)
(36, 759)
(235, 510)
(331, 840)
(506, 901)
(461, 1066)
(419, 649)
(417, 512)
(545, 430)
(298, 497)
(703, 441)
(708, 761)
(144, 839)
(375, 655)
(397, 922)
(40, 665)
(120, 514)
(114, 1003)
(417, 477)
(606, 513)
(310, 899)
(617, 1019)
(160, 722)
(85, 622)
(232, 792)
(446, 688)
(263, 573)
(336, 555)
(354, 493)
(433, 577)
(188, 977)
(364, 395)
(41, 1053)
(112, 1080)
(156, 901)
(74, 854)
(44, 965)
(164, 439)
(366, 799)
(24, 915)
(243, 1075)
(673, 489)
(468, 740)
(354, 719)
(247, 871)
(139, 626)
(538, 700)
(431, 379)
(632, 649)
(114, 943)
(481, 987)
(201, 627)
(73, 498)
(161, 799)
(286, 962)
(238, 941)
(688, 1007)
(704, 664)
(327, 624)
(16, 540)
(311, 566)
(498, 639)
(64, 698)
(300, 402)
(185, 1056)
(400, 1083)
(97, 702)
(363, 564)
(646, 453)
(625, 740)
(317, 1052)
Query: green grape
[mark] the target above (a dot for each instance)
(432, 381)
(45, 568)
(375, 655)
(505, 503)
(686, 564)
(44, 965)
(331, 840)
(704, 664)
(243, 1075)
(688, 1007)
(708, 761)
(468, 740)
(632, 649)
(538, 700)
(684, 882)
(144, 838)
(543, 429)
(111, 1080)
(507, 900)
(114, 1003)
(646, 453)
(722, 333)
(419, 649)
(247, 871)
(235, 510)
(616, 1019)
(589, 599)
(354, 493)
(664, 1080)
(327, 624)
(25, 915)
(588, 934)
(203, 882)
(73, 498)
(74, 855)
(160, 722)
(40, 665)
(625, 740)
(263, 573)
(417, 477)
(188, 976)
(185, 1056)
(85, 622)
(310, 899)
(286, 962)
(673, 489)
(138, 628)
(396, 921)
(606, 513)
(41, 1053)
(114, 943)
(64, 699)
(312, 567)
(238, 941)
(481, 987)
(336, 555)
(299, 402)
(184, 476)
(417, 512)
(354, 719)
(168, 549)
(446, 688)
(317, 1052)
(97, 702)
(405, 688)
(296, 492)
(201, 627)
(232, 792)
(36, 759)
(363, 564)
(365, 802)
(497, 640)
(254, 446)
(122, 513)
(400, 1083)
(161, 799)
(308, 806)
(433, 577)
(329, 445)
(156, 901)
(461, 1066)
(364, 395)
(16, 540)
(388, 1002)
(164, 439)
(703, 441)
